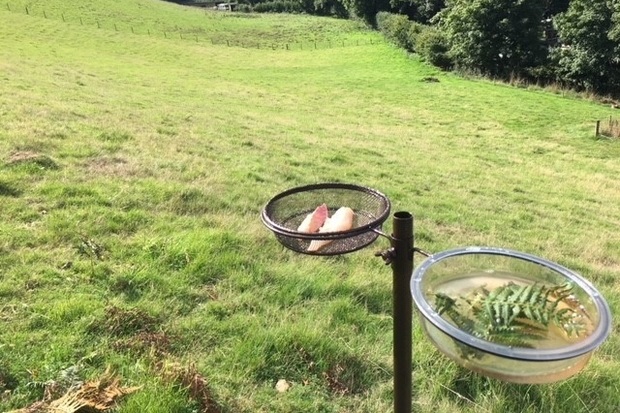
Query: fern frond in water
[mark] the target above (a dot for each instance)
(479, 324)
(514, 315)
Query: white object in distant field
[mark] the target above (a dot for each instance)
(282, 385)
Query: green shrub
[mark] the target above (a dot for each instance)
(414, 31)
(244, 8)
(381, 17)
(498, 38)
(396, 28)
(428, 41)
(279, 6)
(432, 46)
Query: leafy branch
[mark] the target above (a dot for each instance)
(514, 315)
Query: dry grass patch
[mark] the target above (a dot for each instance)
(155, 344)
(111, 166)
(196, 385)
(33, 158)
(90, 397)
(120, 322)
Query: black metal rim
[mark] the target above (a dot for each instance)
(597, 337)
(357, 247)
(278, 229)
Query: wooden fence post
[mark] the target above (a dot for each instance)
(8, 7)
(115, 28)
(27, 12)
(598, 127)
(44, 14)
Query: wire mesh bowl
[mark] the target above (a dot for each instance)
(285, 212)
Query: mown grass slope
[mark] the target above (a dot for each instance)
(169, 20)
(134, 168)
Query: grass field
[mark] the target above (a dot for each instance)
(167, 20)
(133, 169)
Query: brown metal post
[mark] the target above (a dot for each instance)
(402, 268)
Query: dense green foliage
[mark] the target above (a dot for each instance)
(430, 43)
(494, 37)
(588, 58)
(398, 29)
(574, 44)
(433, 47)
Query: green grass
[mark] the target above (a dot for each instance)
(169, 20)
(133, 170)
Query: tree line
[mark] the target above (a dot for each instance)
(573, 43)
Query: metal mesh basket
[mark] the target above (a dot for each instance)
(284, 213)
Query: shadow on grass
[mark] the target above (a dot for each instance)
(9, 191)
(308, 359)
(467, 388)
(585, 392)
(32, 161)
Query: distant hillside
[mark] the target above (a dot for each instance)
(196, 3)
(163, 18)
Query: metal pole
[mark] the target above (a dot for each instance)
(402, 267)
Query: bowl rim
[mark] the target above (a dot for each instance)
(590, 343)
(287, 232)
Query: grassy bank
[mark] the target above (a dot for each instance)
(133, 170)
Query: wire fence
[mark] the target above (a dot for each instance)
(610, 128)
(178, 34)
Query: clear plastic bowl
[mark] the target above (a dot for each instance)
(509, 363)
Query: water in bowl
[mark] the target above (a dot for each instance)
(527, 314)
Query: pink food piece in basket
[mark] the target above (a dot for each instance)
(315, 220)
(342, 220)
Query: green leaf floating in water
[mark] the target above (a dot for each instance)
(514, 315)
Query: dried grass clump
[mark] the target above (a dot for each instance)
(91, 397)
(194, 382)
(31, 158)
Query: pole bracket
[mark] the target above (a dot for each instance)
(388, 255)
